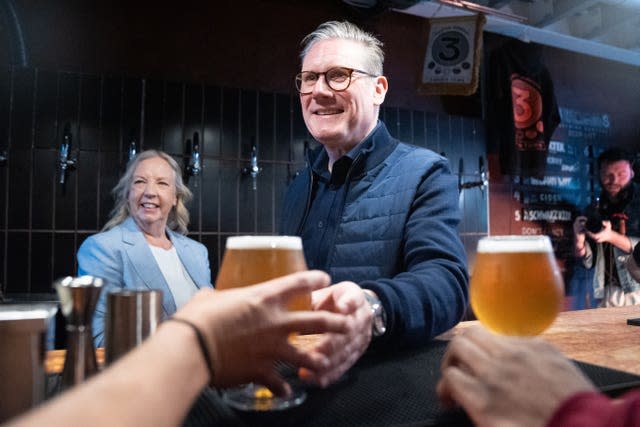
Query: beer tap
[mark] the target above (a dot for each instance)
(305, 156)
(65, 162)
(291, 175)
(195, 165)
(133, 150)
(482, 182)
(253, 169)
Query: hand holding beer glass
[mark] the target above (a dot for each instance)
(516, 287)
(254, 259)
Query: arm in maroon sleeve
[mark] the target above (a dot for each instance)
(593, 409)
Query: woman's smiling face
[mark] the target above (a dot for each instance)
(152, 194)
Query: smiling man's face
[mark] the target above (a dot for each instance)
(341, 120)
(614, 176)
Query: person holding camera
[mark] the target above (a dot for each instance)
(605, 237)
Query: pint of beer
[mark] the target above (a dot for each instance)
(249, 260)
(254, 259)
(516, 287)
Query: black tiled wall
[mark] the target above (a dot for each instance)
(42, 223)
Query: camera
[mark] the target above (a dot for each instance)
(596, 214)
(594, 221)
(594, 217)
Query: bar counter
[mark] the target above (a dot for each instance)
(599, 336)
(398, 388)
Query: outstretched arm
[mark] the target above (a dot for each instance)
(245, 330)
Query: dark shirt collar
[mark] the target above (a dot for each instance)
(342, 166)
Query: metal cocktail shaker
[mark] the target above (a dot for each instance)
(23, 328)
(78, 298)
(132, 316)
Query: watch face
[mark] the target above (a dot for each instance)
(378, 325)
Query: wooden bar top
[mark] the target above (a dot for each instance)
(54, 360)
(599, 336)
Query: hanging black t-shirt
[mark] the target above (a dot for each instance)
(522, 113)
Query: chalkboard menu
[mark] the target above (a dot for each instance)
(549, 205)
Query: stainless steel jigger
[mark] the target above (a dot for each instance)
(78, 297)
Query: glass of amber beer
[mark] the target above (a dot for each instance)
(516, 287)
(253, 259)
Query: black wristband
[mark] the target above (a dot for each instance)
(203, 345)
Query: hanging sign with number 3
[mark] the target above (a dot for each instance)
(451, 61)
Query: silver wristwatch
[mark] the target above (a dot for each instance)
(379, 324)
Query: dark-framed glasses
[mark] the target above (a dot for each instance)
(337, 78)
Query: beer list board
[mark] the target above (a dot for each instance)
(549, 205)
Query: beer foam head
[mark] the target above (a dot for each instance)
(514, 244)
(264, 242)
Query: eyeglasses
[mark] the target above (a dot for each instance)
(337, 78)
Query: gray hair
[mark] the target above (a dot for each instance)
(178, 217)
(347, 31)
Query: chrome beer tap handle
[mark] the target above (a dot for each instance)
(483, 178)
(253, 170)
(195, 164)
(133, 150)
(65, 162)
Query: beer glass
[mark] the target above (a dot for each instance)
(253, 259)
(516, 287)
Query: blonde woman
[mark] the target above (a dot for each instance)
(143, 244)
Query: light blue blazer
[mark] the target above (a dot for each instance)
(122, 258)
